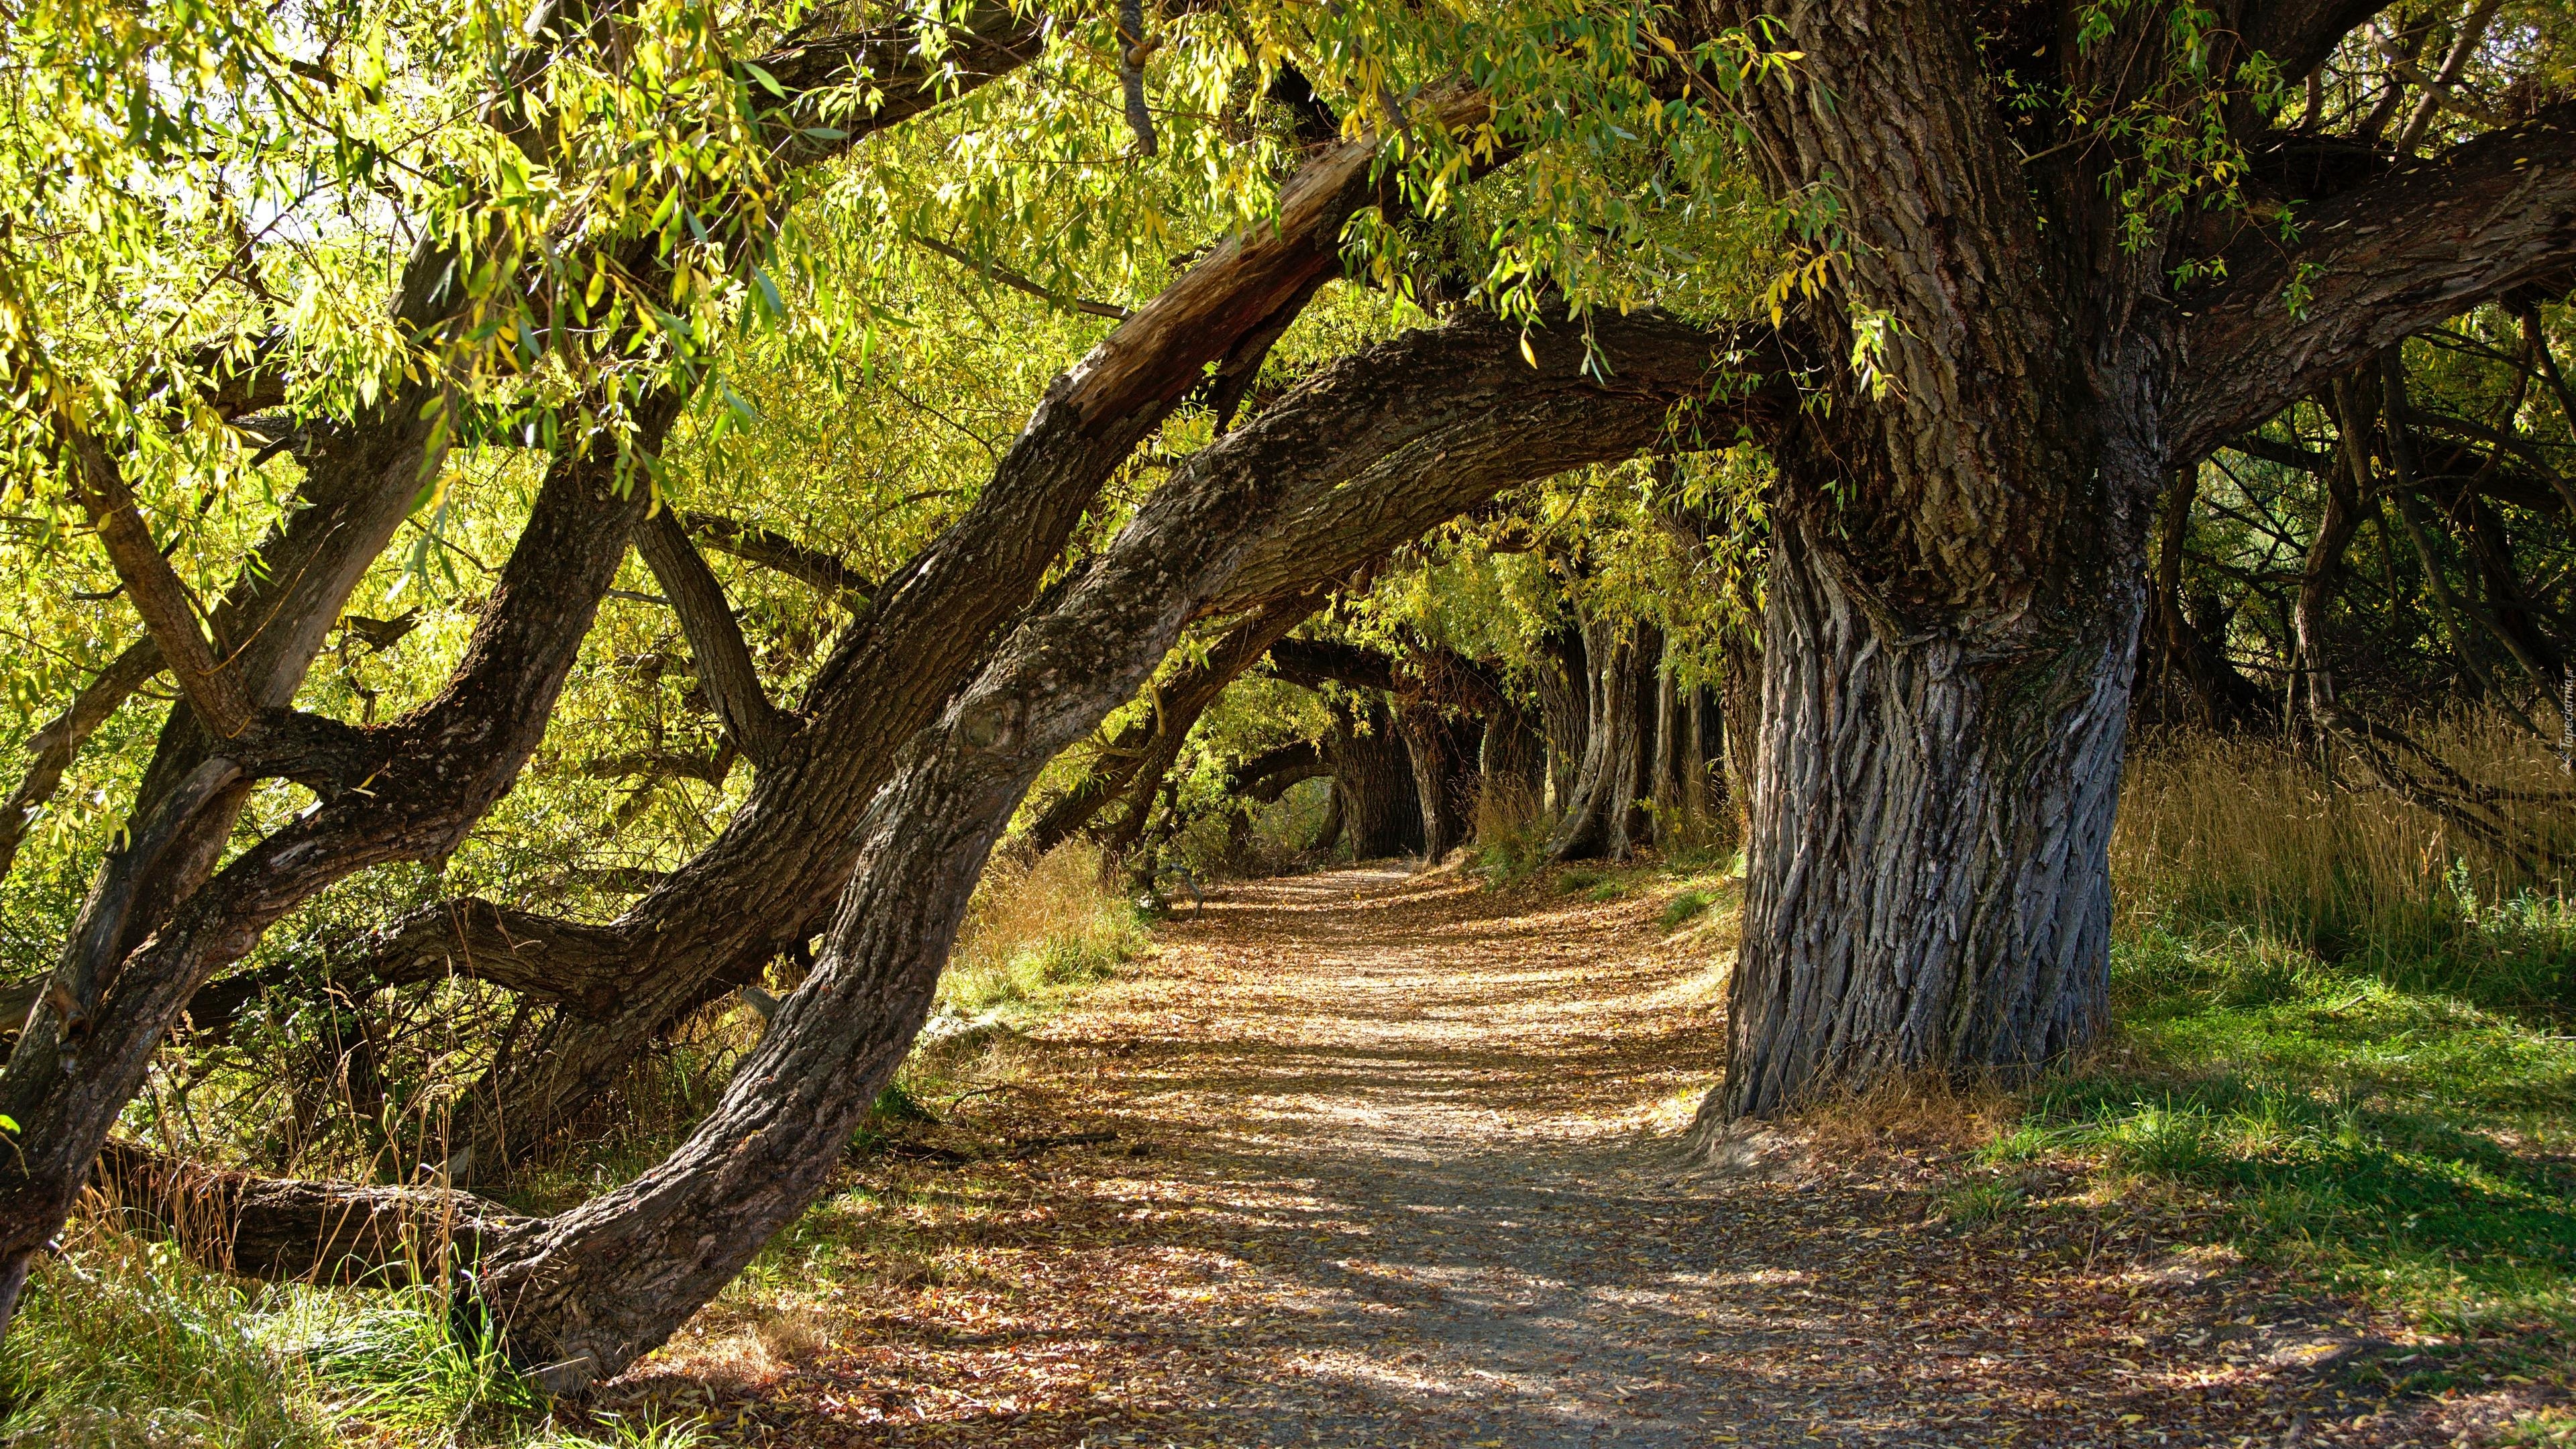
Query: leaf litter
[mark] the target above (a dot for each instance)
(1376, 1159)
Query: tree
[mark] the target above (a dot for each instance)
(2059, 264)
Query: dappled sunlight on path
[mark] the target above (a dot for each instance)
(1368, 1158)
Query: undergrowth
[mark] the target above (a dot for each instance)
(120, 1343)
(1036, 927)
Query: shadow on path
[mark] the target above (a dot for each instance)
(1396, 1162)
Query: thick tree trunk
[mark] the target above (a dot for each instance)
(1959, 529)
(1930, 883)
(1373, 776)
(1443, 783)
(1607, 818)
(1565, 714)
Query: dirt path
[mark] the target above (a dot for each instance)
(1392, 1161)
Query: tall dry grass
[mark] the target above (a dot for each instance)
(2252, 838)
(1038, 925)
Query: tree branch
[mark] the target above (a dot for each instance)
(778, 552)
(52, 747)
(297, 1231)
(2375, 265)
(213, 689)
(725, 668)
(1017, 282)
(2300, 34)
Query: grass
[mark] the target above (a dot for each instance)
(1689, 905)
(1511, 838)
(1038, 927)
(2342, 1038)
(124, 1344)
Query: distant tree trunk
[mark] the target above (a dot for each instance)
(1739, 727)
(1675, 825)
(1373, 776)
(1510, 754)
(1565, 714)
(1442, 779)
(2184, 677)
(1606, 819)
(1329, 833)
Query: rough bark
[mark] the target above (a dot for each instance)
(1437, 756)
(1373, 778)
(1928, 886)
(429, 776)
(290, 1230)
(1954, 581)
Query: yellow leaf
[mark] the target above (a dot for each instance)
(1529, 354)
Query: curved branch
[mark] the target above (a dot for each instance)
(1150, 743)
(2372, 267)
(715, 637)
(776, 551)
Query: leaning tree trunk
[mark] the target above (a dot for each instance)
(582, 1295)
(1929, 884)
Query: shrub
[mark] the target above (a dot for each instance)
(1512, 831)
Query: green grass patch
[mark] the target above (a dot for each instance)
(2378, 1137)
(1689, 906)
(124, 1344)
